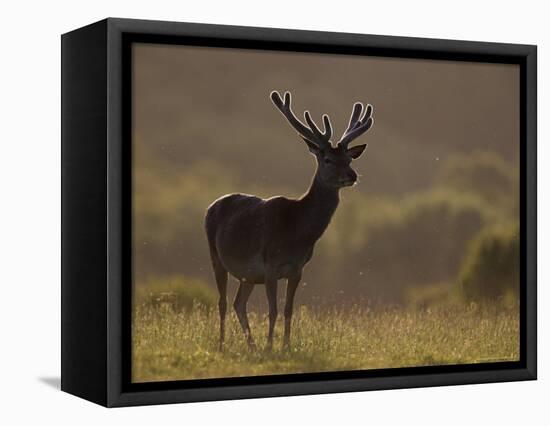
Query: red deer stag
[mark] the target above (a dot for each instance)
(261, 241)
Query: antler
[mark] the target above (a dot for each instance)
(357, 126)
(311, 133)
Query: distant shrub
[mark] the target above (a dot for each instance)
(178, 293)
(425, 245)
(350, 229)
(491, 266)
(418, 242)
(484, 174)
(379, 245)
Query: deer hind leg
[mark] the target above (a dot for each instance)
(291, 286)
(243, 293)
(271, 291)
(221, 281)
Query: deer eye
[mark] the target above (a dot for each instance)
(328, 161)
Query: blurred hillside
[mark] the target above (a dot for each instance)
(440, 169)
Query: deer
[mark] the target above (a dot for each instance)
(261, 241)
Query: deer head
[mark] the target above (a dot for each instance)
(333, 162)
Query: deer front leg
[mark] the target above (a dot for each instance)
(271, 291)
(243, 293)
(291, 286)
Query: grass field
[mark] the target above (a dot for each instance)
(169, 345)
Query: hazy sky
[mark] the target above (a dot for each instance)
(192, 103)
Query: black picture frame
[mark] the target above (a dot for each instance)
(96, 204)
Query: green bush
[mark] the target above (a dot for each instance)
(378, 245)
(485, 175)
(385, 248)
(178, 293)
(423, 247)
(491, 266)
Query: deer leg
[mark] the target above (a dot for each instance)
(271, 290)
(243, 293)
(291, 286)
(221, 282)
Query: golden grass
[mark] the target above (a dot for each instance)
(169, 345)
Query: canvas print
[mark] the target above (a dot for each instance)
(298, 212)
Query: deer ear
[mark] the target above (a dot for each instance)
(356, 151)
(313, 148)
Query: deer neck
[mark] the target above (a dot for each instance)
(318, 205)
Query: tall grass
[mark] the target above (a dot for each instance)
(179, 345)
